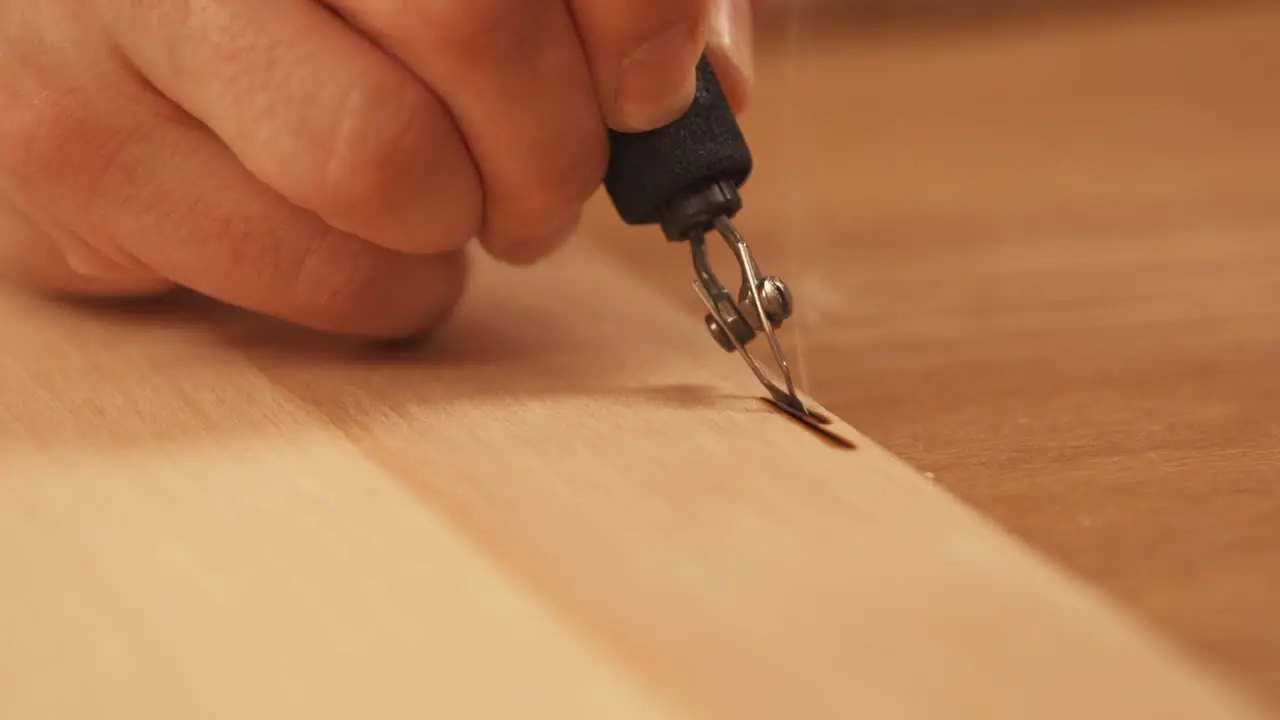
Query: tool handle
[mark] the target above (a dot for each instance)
(685, 174)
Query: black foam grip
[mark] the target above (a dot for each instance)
(649, 171)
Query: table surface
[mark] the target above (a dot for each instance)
(1042, 263)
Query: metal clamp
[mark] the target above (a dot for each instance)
(769, 305)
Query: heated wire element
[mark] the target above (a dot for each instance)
(686, 178)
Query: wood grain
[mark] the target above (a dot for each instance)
(569, 505)
(543, 514)
(1043, 264)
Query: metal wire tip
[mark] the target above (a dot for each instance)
(768, 305)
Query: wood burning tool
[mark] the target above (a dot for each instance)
(685, 177)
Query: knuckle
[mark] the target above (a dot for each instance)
(53, 140)
(380, 138)
(49, 132)
(456, 215)
(672, 16)
(614, 35)
(329, 281)
(36, 133)
(552, 183)
(471, 30)
(461, 31)
(570, 177)
(343, 285)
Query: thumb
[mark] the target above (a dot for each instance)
(731, 49)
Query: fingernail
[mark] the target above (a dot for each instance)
(657, 81)
(731, 39)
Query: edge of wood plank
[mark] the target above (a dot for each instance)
(605, 457)
(993, 577)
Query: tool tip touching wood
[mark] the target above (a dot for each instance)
(768, 304)
(685, 177)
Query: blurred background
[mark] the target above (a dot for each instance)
(865, 12)
(1035, 250)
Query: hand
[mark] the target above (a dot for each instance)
(324, 162)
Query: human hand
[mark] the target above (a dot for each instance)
(325, 162)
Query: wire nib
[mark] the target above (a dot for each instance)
(768, 305)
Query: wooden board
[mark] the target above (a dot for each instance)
(1041, 261)
(568, 506)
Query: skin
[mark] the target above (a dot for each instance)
(327, 163)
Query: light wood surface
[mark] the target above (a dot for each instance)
(546, 514)
(1042, 262)
(569, 506)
